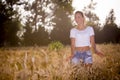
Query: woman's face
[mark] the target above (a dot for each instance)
(79, 18)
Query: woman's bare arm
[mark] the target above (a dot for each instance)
(93, 45)
(72, 49)
(72, 45)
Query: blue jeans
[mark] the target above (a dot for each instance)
(84, 56)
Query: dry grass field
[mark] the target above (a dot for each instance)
(39, 63)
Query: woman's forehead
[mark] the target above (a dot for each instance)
(78, 14)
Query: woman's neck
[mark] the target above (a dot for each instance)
(80, 27)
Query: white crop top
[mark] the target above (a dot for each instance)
(82, 37)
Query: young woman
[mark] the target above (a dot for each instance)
(82, 38)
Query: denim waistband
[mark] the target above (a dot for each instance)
(82, 51)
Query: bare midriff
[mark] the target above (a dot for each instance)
(85, 48)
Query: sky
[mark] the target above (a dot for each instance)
(102, 8)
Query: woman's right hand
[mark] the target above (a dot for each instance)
(70, 57)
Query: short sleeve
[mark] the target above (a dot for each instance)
(91, 31)
(72, 33)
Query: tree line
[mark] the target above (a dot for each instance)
(48, 21)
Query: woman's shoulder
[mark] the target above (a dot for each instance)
(73, 29)
(89, 27)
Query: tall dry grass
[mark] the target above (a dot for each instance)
(39, 63)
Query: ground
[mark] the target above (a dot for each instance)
(40, 63)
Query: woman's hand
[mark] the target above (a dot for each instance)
(70, 57)
(99, 53)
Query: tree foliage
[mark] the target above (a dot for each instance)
(111, 32)
(63, 22)
(38, 22)
(8, 24)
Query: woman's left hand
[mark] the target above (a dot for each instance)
(99, 53)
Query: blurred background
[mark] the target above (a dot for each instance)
(40, 22)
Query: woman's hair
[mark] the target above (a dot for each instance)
(80, 12)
